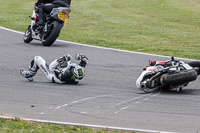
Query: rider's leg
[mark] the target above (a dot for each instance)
(36, 63)
(47, 8)
(41, 15)
(41, 63)
(32, 71)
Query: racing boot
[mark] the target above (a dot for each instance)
(28, 74)
(32, 71)
(37, 27)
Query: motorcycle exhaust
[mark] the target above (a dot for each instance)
(143, 85)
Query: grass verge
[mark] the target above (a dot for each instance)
(18, 126)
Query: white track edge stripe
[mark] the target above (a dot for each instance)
(87, 45)
(86, 125)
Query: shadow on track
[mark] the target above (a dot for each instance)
(183, 92)
(56, 44)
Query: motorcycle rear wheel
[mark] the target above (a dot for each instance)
(194, 63)
(178, 78)
(52, 34)
(28, 35)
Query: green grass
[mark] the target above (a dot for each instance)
(164, 27)
(19, 126)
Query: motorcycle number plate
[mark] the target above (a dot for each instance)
(62, 16)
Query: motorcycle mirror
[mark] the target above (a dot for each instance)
(172, 58)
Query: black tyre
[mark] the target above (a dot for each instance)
(194, 63)
(28, 35)
(52, 34)
(178, 78)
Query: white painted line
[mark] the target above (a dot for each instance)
(146, 98)
(83, 112)
(121, 109)
(99, 47)
(19, 32)
(151, 96)
(42, 113)
(123, 102)
(58, 107)
(156, 94)
(84, 99)
(65, 105)
(88, 125)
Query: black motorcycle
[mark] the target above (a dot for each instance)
(51, 28)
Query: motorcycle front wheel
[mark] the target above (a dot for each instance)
(28, 35)
(53, 31)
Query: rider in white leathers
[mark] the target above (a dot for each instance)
(61, 70)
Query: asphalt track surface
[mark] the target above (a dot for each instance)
(107, 96)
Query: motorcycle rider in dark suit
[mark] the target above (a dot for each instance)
(47, 6)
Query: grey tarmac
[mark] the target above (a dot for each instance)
(107, 96)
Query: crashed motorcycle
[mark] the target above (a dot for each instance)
(51, 28)
(167, 75)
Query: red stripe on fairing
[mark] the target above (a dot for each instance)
(35, 16)
(34, 19)
(150, 68)
(160, 63)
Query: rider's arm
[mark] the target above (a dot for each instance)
(82, 63)
(82, 58)
(60, 62)
(53, 65)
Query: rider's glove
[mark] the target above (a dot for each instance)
(80, 56)
(67, 57)
(64, 59)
